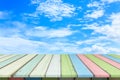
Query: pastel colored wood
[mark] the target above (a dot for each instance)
(114, 78)
(42, 67)
(54, 67)
(99, 79)
(7, 57)
(3, 78)
(66, 79)
(10, 60)
(113, 71)
(115, 55)
(50, 79)
(96, 70)
(2, 56)
(83, 79)
(16, 78)
(113, 63)
(67, 67)
(112, 58)
(10, 69)
(33, 79)
(27, 69)
(81, 69)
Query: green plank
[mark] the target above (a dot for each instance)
(50, 79)
(83, 79)
(25, 70)
(10, 60)
(99, 79)
(115, 55)
(114, 78)
(3, 78)
(67, 67)
(113, 71)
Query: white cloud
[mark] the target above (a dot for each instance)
(94, 4)
(49, 33)
(110, 1)
(56, 10)
(95, 14)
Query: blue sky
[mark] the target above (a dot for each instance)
(60, 26)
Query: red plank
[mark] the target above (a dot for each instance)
(16, 78)
(97, 71)
(108, 61)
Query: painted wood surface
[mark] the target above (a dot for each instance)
(113, 63)
(33, 79)
(7, 57)
(113, 71)
(9, 70)
(59, 66)
(54, 67)
(3, 78)
(83, 79)
(96, 70)
(10, 60)
(67, 67)
(112, 58)
(27, 69)
(41, 68)
(99, 79)
(16, 79)
(114, 55)
(81, 69)
(50, 79)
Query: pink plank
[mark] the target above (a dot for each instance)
(108, 61)
(16, 78)
(97, 71)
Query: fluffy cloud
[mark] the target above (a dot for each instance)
(49, 33)
(55, 10)
(110, 1)
(95, 14)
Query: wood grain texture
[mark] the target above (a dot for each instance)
(54, 67)
(10, 69)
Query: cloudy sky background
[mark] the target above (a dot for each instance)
(59, 26)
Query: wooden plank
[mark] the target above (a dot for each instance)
(54, 67)
(16, 78)
(10, 60)
(7, 57)
(113, 63)
(2, 56)
(10, 69)
(96, 70)
(42, 67)
(27, 69)
(112, 58)
(113, 71)
(99, 79)
(66, 79)
(83, 79)
(33, 78)
(114, 78)
(81, 69)
(3, 78)
(115, 55)
(50, 79)
(67, 67)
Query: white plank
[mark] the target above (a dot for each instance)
(2, 56)
(41, 68)
(10, 69)
(7, 57)
(54, 67)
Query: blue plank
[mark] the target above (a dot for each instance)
(80, 68)
(112, 58)
(33, 79)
